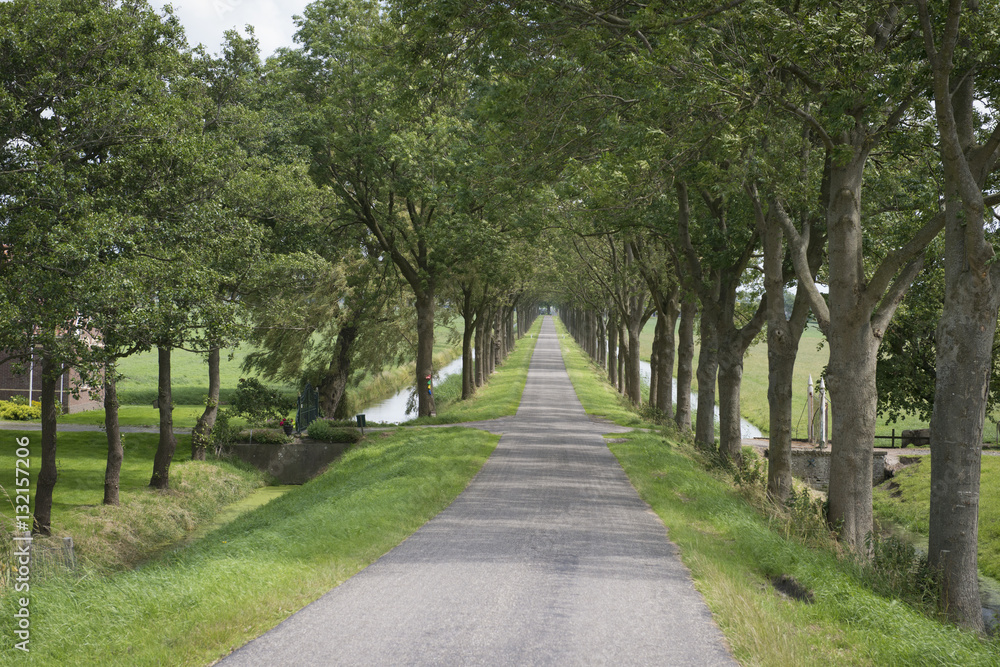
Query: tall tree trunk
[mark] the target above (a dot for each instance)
(622, 357)
(964, 359)
(853, 356)
(47, 473)
(168, 441)
(613, 349)
(783, 335)
(665, 358)
(480, 357)
(116, 453)
(495, 340)
(333, 385)
(782, 348)
(730, 379)
(708, 367)
(511, 337)
(733, 344)
(202, 433)
(425, 353)
(602, 342)
(654, 361)
(780, 364)
(468, 332)
(685, 363)
(632, 373)
(968, 322)
(500, 335)
(858, 309)
(853, 397)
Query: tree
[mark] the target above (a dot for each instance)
(962, 48)
(79, 88)
(383, 134)
(857, 86)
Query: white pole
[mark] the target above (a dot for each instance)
(31, 377)
(809, 412)
(822, 413)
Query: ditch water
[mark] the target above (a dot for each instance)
(747, 430)
(393, 410)
(258, 498)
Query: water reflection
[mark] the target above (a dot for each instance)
(747, 430)
(393, 410)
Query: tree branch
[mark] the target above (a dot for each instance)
(890, 266)
(797, 248)
(888, 305)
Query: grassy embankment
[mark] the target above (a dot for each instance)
(194, 604)
(905, 501)
(813, 356)
(734, 551)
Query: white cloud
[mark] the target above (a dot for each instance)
(205, 21)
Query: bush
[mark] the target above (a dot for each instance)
(258, 403)
(19, 410)
(223, 433)
(329, 431)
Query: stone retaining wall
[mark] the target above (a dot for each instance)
(812, 466)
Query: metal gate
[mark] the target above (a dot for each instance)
(308, 410)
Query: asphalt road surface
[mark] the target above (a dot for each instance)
(548, 558)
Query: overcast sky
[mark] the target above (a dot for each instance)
(204, 21)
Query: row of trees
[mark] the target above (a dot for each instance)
(689, 159)
(709, 155)
(157, 196)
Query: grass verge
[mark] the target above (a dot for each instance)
(194, 605)
(501, 395)
(734, 552)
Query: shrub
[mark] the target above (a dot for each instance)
(258, 403)
(328, 431)
(19, 410)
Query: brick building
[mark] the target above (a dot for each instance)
(29, 384)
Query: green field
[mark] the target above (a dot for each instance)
(189, 378)
(813, 356)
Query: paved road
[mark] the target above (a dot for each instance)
(66, 428)
(548, 558)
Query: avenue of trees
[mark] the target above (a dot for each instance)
(686, 161)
